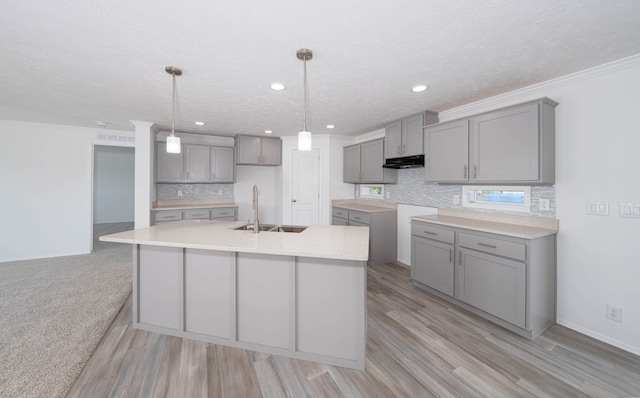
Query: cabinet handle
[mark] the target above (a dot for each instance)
(398, 149)
(475, 171)
(357, 218)
(223, 214)
(465, 171)
(430, 233)
(460, 258)
(487, 245)
(450, 255)
(404, 149)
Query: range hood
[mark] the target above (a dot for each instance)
(405, 162)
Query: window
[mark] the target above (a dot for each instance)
(372, 191)
(497, 198)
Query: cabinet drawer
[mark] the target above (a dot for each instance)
(168, 216)
(341, 213)
(430, 232)
(196, 214)
(359, 217)
(223, 212)
(494, 246)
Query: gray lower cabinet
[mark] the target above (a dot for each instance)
(514, 145)
(363, 164)
(510, 281)
(432, 257)
(259, 151)
(383, 230)
(212, 213)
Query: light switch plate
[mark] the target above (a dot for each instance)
(544, 204)
(629, 210)
(598, 208)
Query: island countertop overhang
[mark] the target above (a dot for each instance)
(321, 241)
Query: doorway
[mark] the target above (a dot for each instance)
(305, 187)
(113, 190)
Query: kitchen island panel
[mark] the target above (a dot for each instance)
(331, 313)
(264, 299)
(158, 294)
(209, 292)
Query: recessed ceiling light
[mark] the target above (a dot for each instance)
(277, 86)
(101, 123)
(330, 126)
(200, 123)
(268, 131)
(419, 88)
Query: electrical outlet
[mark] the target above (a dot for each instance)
(219, 192)
(614, 313)
(456, 199)
(598, 208)
(544, 204)
(179, 192)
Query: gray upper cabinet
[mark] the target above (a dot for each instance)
(446, 149)
(169, 166)
(261, 151)
(363, 164)
(195, 164)
(514, 145)
(222, 164)
(198, 165)
(404, 137)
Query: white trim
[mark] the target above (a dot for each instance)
(539, 89)
(599, 336)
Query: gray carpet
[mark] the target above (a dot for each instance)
(53, 313)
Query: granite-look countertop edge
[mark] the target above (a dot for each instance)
(369, 206)
(320, 241)
(500, 228)
(191, 204)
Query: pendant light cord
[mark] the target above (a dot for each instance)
(173, 106)
(304, 101)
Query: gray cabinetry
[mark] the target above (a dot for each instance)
(363, 164)
(261, 151)
(510, 281)
(212, 213)
(383, 233)
(195, 164)
(169, 166)
(432, 257)
(514, 145)
(446, 149)
(404, 137)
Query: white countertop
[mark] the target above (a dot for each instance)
(368, 206)
(322, 241)
(501, 228)
(191, 204)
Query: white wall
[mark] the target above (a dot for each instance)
(45, 189)
(597, 158)
(113, 182)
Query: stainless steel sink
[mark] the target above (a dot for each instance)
(272, 228)
(249, 227)
(288, 228)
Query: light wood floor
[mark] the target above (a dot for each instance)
(418, 346)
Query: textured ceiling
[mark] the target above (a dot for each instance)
(79, 61)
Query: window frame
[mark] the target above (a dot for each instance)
(505, 206)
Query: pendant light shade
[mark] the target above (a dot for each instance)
(304, 136)
(173, 142)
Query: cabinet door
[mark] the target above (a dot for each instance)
(412, 135)
(493, 284)
(432, 264)
(197, 164)
(351, 163)
(271, 152)
(222, 164)
(372, 160)
(249, 149)
(504, 145)
(446, 148)
(169, 166)
(393, 135)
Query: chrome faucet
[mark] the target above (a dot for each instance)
(256, 223)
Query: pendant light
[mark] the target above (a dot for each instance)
(304, 136)
(173, 142)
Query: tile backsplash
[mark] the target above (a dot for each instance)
(194, 191)
(413, 190)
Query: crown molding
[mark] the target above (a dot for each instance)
(540, 89)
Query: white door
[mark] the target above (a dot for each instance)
(305, 187)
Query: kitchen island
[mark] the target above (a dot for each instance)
(300, 295)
